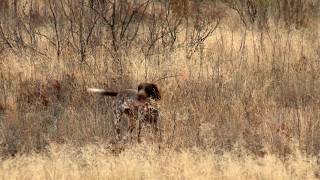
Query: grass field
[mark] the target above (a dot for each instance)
(147, 162)
(245, 105)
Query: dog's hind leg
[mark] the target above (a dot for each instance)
(117, 113)
(140, 120)
(131, 124)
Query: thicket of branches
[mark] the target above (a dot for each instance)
(85, 26)
(117, 26)
(295, 13)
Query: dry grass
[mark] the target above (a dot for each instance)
(147, 162)
(246, 106)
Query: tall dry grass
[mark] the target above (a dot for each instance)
(252, 92)
(147, 162)
(244, 106)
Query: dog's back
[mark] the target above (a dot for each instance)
(102, 92)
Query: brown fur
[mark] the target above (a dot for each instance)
(133, 103)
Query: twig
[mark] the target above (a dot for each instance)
(166, 77)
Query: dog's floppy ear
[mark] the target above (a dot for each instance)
(152, 91)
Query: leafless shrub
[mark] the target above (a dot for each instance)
(291, 12)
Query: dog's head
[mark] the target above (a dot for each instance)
(150, 90)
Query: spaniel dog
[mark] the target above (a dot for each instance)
(137, 104)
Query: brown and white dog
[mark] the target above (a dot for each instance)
(136, 104)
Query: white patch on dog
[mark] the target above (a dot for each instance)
(96, 90)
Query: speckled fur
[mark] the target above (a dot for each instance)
(138, 105)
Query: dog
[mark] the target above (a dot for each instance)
(137, 104)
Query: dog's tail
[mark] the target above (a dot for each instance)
(102, 92)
